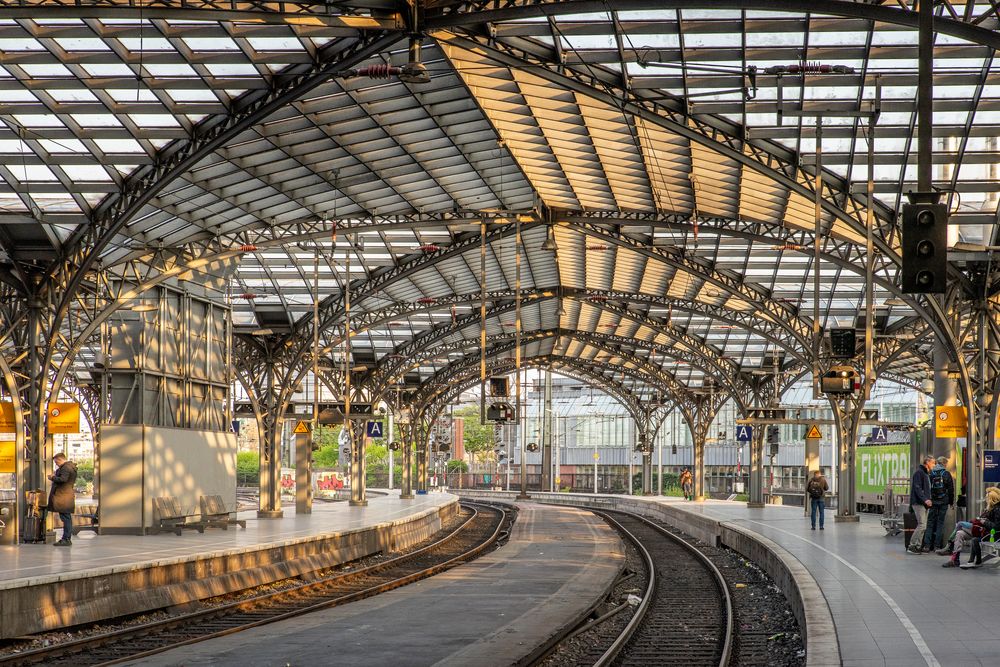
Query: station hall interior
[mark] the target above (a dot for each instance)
(302, 270)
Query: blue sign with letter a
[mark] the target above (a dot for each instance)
(374, 430)
(744, 433)
(879, 434)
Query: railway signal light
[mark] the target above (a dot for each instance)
(840, 380)
(773, 438)
(925, 248)
(843, 343)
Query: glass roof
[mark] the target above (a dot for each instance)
(678, 192)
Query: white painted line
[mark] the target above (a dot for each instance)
(904, 620)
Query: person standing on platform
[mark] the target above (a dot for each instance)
(62, 497)
(920, 502)
(817, 488)
(942, 497)
(686, 485)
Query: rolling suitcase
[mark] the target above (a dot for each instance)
(32, 532)
(909, 525)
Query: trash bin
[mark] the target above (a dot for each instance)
(8, 528)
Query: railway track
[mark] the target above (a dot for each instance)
(488, 525)
(684, 615)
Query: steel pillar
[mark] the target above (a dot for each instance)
(845, 416)
(698, 469)
(269, 426)
(946, 394)
(303, 472)
(547, 434)
(647, 473)
(408, 431)
(755, 498)
(421, 444)
(358, 496)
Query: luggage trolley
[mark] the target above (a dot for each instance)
(897, 502)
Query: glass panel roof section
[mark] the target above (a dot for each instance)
(705, 233)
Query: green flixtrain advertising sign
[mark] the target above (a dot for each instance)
(875, 465)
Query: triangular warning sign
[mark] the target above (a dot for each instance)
(813, 432)
(301, 427)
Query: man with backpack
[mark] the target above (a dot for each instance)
(942, 496)
(817, 488)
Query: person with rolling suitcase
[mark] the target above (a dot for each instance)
(62, 497)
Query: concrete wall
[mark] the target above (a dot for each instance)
(803, 593)
(139, 463)
(54, 602)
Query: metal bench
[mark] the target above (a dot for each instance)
(167, 513)
(86, 518)
(215, 515)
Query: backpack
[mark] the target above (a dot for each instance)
(939, 494)
(815, 489)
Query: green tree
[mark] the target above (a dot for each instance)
(328, 454)
(478, 437)
(247, 468)
(85, 470)
(456, 465)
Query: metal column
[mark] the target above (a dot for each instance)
(547, 434)
(303, 469)
(946, 394)
(420, 440)
(756, 496)
(408, 432)
(358, 496)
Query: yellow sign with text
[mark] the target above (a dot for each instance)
(7, 453)
(950, 422)
(7, 417)
(301, 427)
(64, 418)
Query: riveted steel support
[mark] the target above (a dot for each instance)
(846, 418)
(409, 433)
(756, 496)
(270, 423)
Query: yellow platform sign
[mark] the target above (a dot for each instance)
(813, 433)
(7, 417)
(950, 421)
(301, 427)
(7, 454)
(64, 418)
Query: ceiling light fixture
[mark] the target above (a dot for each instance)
(550, 240)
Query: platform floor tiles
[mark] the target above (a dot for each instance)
(889, 607)
(488, 612)
(96, 553)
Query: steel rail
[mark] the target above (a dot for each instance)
(75, 648)
(622, 641)
(647, 598)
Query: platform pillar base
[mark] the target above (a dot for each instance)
(270, 514)
(523, 496)
(406, 496)
(755, 506)
(358, 503)
(698, 499)
(850, 518)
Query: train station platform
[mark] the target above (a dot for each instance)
(493, 611)
(888, 608)
(101, 576)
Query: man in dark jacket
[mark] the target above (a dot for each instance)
(62, 497)
(920, 502)
(942, 497)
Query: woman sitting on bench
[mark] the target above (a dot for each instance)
(973, 531)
